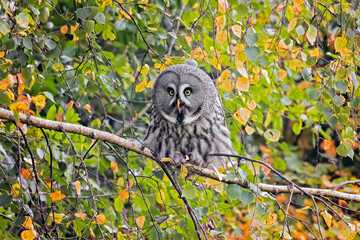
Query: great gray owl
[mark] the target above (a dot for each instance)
(187, 119)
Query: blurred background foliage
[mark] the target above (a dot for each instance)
(288, 75)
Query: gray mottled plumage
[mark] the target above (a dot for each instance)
(187, 118)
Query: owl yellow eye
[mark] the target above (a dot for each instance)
(171, 91)
(187, 91)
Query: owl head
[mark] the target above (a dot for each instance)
(180, 92)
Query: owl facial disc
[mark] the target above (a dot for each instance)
(179, 97)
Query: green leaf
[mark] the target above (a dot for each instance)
(246, 197)
(4, 98)
(342, 85)
(44, 14)
(343, 149)
(27, 43)
(297, 127)
(328, 112)
(243, 10)
(49, 96)
(355, 102)
(189, 192)
(83, 13)
(5, 199)
(23, 19)
(50, 115)
(338, 100)
(233, 191)
(50, 43)
(333, 121)
(251, 39)
(89, 26)
(354, 79)
(310, 61)
(4, 27)
(252, 52)
(279, 164)
(118, 204)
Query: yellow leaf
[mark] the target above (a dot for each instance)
(55, 196)
(315, 52)
(251, 104)
(150, 84)
(223, 6)
(221, 36)
(183, 171)
(242, 84)
(270, 220)
(198, 53)
(78, 187)
(311, 34)
(292, 24)
(236, 30)
(297, 65)
(80, 215)
(350, 233)
(220, 22)
(225, 81)
(254, 79)
(15, 189)
(10, 94)
(58, 217)
(249, 130)
(72, 30)
(144, 70)
(101, 219)
(269, 44)
(211, 182)
(64, 29)
(327, 217)
(256, 70)
(114, 166)
(141, 86)
(124, 195)
(282, 75)
(340, 43)
(28, 235)
(282, 46)
(242, 115)
(160, 197)
(26, 174)
(140, 221)
(28, 223)
(2, 53)
(166, 160)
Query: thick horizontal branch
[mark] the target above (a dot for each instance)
(138, 148)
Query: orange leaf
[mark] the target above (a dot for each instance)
(64, 29)
(70, 104)
(280, 7)
(188, 39)
(124, 195)
(242, 115)
(26, 174)
(140, 221)
(242, 84)
(282, 75)
(80, 215)
(130, 183)
(223, 6)
(115, 167)
(101, 219)
(88, 108)
(55, 196)
(28, 223)
(21, 83)
(78, 187)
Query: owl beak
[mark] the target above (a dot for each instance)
(180, 105)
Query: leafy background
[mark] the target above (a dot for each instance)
(288, 75)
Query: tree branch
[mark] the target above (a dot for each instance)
(138, 148)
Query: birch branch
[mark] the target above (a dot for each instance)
(138, 148)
